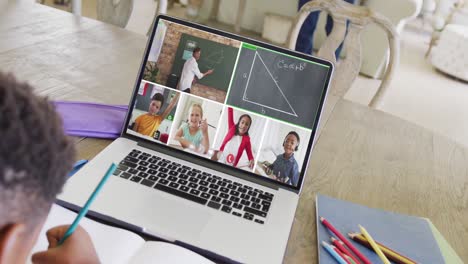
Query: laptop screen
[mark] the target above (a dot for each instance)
(229, 99)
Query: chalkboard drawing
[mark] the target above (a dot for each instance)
(269, 94)
(214, 58)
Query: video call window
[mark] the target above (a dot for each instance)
(228, 101)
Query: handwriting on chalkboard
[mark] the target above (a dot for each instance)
(291, 66)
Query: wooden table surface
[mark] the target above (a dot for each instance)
(362, 155)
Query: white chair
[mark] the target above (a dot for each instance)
(348, 68)
(451, 53)
(136, 16)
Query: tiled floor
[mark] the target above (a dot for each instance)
(418, 93)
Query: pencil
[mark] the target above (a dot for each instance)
(350, 260)
(342, 255)
(347, 243)
(85, 208)
(332, 252)
(390, 253)
(374, 245)
(340, 246)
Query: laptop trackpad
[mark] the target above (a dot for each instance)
(180, 218)
(158, 212)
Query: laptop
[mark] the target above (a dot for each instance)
(215, 145)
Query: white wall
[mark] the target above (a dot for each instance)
(157, 42)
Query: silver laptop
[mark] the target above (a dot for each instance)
(215, 145)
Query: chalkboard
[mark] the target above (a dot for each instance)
(278, 86)
(214, 55)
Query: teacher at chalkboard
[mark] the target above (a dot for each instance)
(191, 70)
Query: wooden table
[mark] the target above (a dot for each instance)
(362, 155)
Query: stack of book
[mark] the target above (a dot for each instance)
(351, 233)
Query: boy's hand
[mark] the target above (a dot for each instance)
(209, 72)
(77, 248)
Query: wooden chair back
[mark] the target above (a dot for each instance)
(348, 68)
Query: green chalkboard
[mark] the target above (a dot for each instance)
(214, 55)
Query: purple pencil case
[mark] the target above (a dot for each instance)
(91, 119)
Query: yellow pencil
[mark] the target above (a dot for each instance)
(392, 255)
(374, 245)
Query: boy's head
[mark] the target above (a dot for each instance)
(196, 53)
(157, 101)
(35, 157)
(243, 125)
(291, 142)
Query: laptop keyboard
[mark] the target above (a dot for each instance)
(200, 187)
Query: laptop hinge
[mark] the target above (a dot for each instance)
(209, 164)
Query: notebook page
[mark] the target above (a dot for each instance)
(448, 252)
(161, 252)
(113, 245)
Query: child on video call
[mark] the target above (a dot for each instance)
(194, 133)
(236, 141)
(285, 168)
(148, 123)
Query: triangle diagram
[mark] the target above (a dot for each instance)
(263, 89)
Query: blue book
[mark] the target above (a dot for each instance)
(409, 235)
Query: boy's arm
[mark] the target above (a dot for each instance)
(170, 106)
(294, 177)
(78, 248)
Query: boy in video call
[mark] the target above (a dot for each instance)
(191, 70)
(35, 158)
(147, 124)
(194, 133)
(236, 141)
(285, 168)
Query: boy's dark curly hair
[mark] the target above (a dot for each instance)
(158, 97)
(35, 154)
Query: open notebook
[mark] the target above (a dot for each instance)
(115, 245)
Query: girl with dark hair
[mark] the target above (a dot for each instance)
(236, 141)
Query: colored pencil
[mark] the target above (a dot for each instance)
(390, 253)
(347, 243)
(85, 208)
(374, 245)
(340, 245)
(350, 260)
(332, 252)
(341, 254)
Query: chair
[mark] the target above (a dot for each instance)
(137, 16)
(115, 12)
(347, 69)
